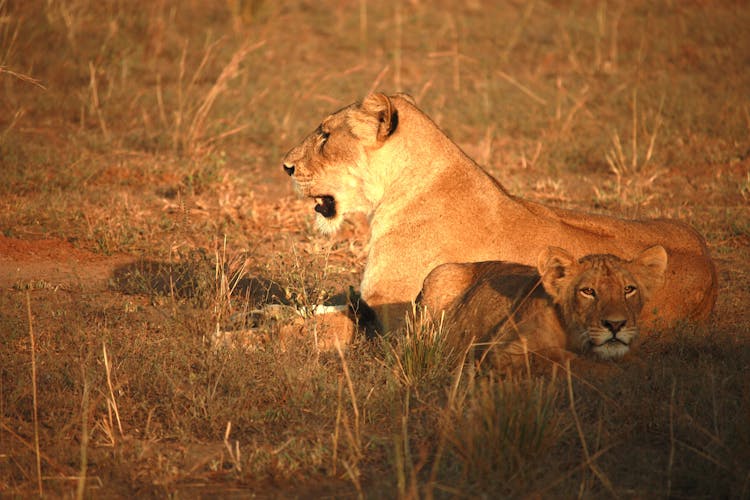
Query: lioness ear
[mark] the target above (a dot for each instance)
(555, 266)
(406, 97)
(382, 108)
(651, 267)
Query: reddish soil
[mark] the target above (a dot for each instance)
(51, 263)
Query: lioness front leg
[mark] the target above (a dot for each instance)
(389, 313)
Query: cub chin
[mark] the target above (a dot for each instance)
(562, 307)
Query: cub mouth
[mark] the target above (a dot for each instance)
(615, 340)
(609, 342)
(325, 206)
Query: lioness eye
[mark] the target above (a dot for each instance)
(323, 136)
(588, 292)
(630, 290)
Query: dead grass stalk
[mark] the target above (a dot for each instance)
(582, 437)
(523, 88)
(445, 420)
(352, 432)
(111, 401)
(618, 160)
(234, 453)
(96, 106)
(81, 483)
(670, 461)
(192, 138)
(23, 77)
(34, 395)
(406, 470)
(230, 71)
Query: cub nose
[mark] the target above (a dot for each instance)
(289, 169)
(613, 326)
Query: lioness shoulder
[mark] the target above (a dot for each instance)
(588, 305)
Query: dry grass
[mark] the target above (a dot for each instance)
(150, 135)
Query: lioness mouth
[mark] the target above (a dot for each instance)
(325, 206)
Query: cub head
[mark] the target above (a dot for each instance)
(334, 166)
(600, 296)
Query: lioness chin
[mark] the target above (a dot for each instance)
(429, 204)
(563, 305)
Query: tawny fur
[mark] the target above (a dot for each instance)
(429, 204)
(560, 307)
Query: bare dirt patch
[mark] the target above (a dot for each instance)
(54, 263)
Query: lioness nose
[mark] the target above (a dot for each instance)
(613, 326)
(289, 169)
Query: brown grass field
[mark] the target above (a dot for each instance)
(144, 212)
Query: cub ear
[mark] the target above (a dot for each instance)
(555, 266)
(381, 107)
(650, 268)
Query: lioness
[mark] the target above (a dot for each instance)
(428, 204)
(590, 305)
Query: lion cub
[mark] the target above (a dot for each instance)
(585, 306)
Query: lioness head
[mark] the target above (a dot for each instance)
(601, 296)
(332, 165)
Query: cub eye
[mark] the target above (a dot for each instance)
(587, 292)
(630, 290)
